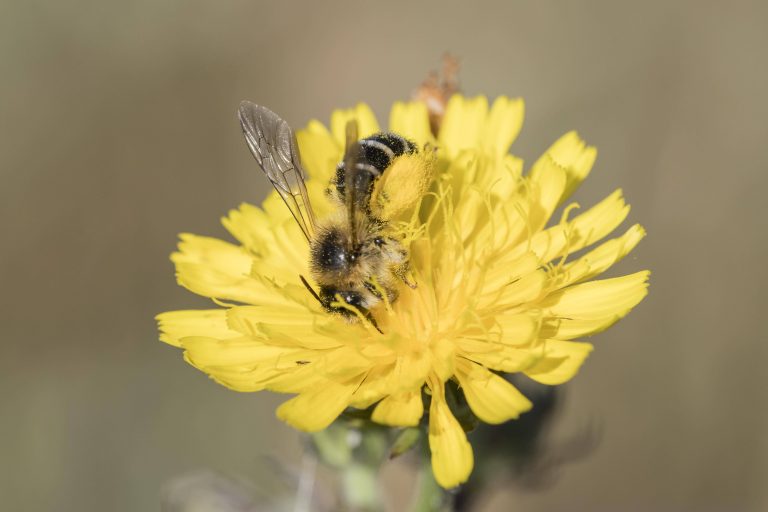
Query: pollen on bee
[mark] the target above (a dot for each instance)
(404, 184)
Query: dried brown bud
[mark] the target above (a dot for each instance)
(437, 89)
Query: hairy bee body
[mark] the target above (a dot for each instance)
(376, 154)
(355, 258)
(366, 272)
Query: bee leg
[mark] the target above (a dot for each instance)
(368, 316)
(328, 295)
(365, 312)
(403, 272)
(311, 290)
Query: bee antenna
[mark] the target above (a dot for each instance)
(311, 290)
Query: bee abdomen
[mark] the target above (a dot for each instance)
(377, 153)
(379, 150)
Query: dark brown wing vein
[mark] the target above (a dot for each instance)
(274, 147)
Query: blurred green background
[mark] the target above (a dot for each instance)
(118, 131)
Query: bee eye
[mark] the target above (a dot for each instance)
(379, 241)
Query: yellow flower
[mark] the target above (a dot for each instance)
(497, 289)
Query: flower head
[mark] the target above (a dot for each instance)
(498, 289)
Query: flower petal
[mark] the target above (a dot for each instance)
(214, 268)
(373, 388)
(505, 274)
(452, 458)
(367, 124)
(602, 258)
(207, 352)
(319, 151)
(572, 155)
(491, 398)
(598, 221)
(498, 356)
(517, 330)
(582, 231)
(245, 364)
(401, 410)
(175, 325)
(463, 124)
(561, 362)
(410, 371)
(526, 289)
(285, 325)
(503, 125)
(571, 328)
(596, 300)
(247, 224)
(411, 120)
(314, 410)
(547, 189)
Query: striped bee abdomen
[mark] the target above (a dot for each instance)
(376, 154)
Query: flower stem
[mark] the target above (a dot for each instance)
(361, 487)
(430, 497)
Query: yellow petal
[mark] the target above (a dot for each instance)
(498, 356)
(582, 231)
(505, 180)
(366, 122)
(462, 124)
(272, 237)
(410, 371)
(297, 380)
(207, 352)
(319, 151)
(602, 258)
(314, 410)
(373, 388)
(282, 375)
(504, 123)
(570, 328)
(598, 299)
(517, 330)
(491, 398)
(509, 277)
(247, 224)
(175, 325)
(402, 410)
(411, 120)
(547, 188)
(560, 363)
(598, 221)
(280, 324)
(572, 155)
(526, 289)
(214, 268)
(550, 243)
(452, 458)
(505, 271)
(246, 365)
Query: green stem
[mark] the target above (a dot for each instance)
(430, 497)
(361, 487)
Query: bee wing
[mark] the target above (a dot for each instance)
(274, 147)
(351, 157)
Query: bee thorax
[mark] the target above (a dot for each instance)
(330, 253)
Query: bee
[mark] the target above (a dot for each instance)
(355, 257)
